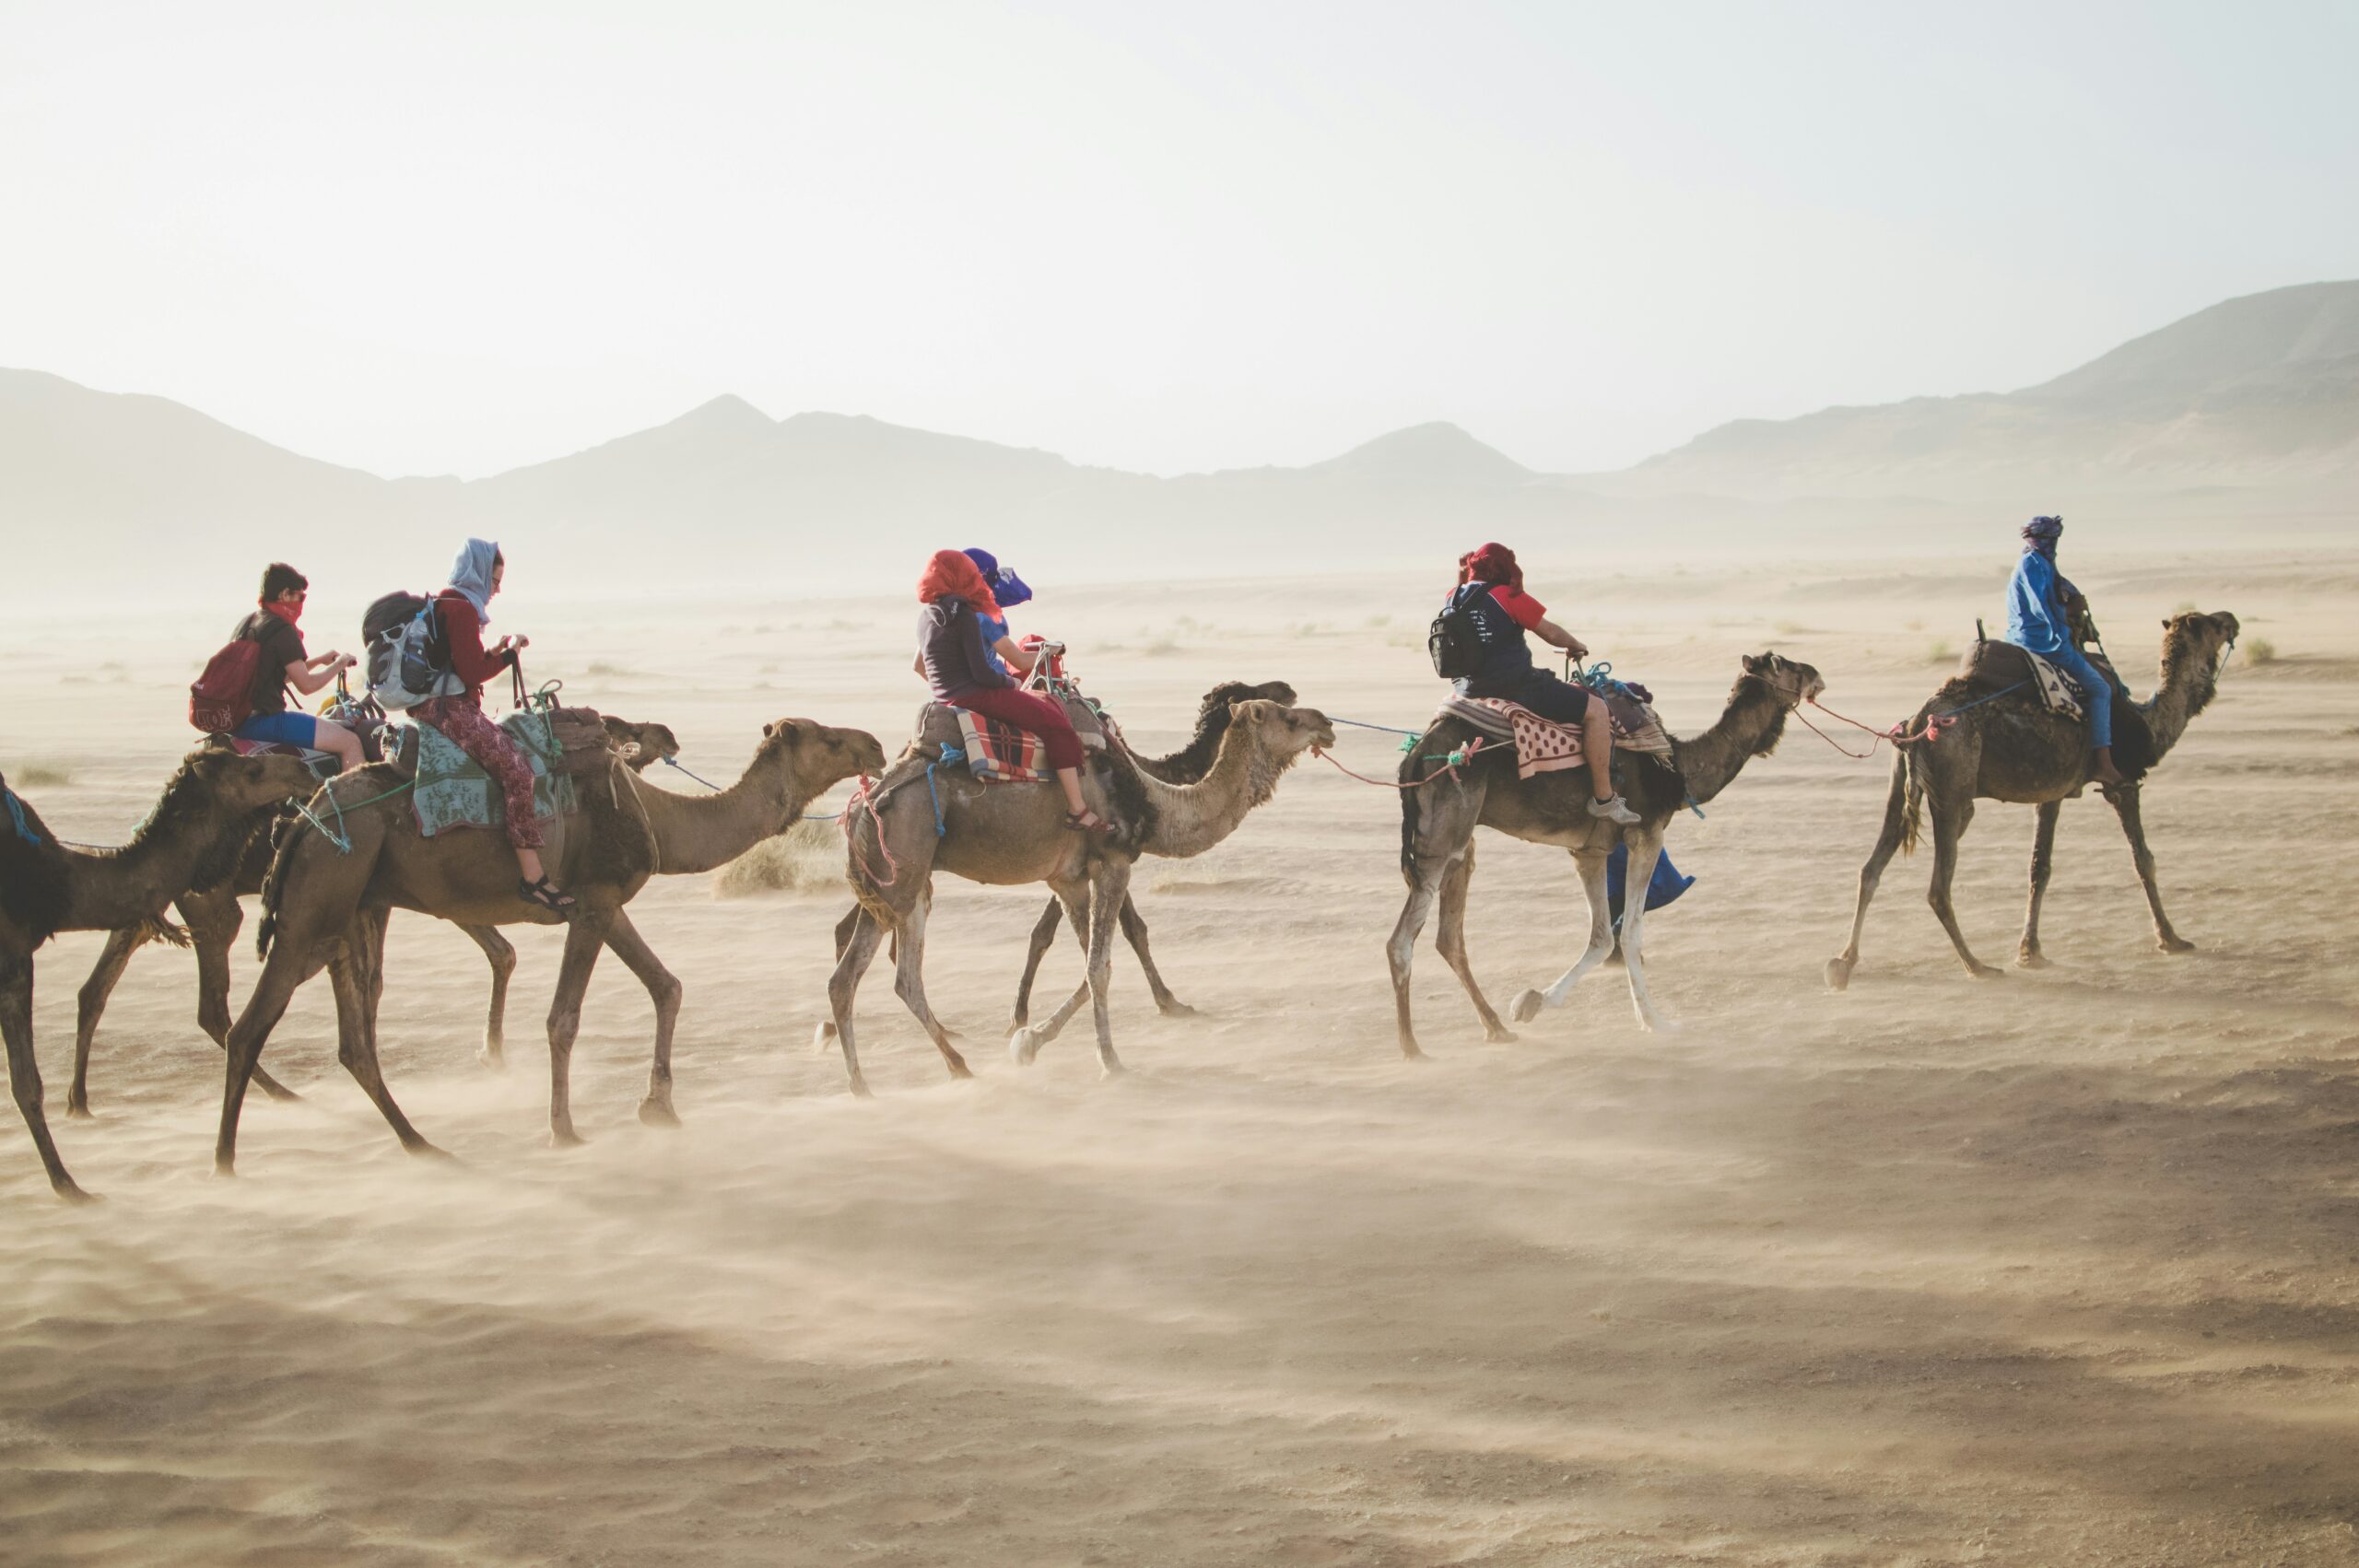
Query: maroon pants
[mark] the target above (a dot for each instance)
(462, 723)
(1028, 710)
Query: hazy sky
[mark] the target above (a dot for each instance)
(428, 239)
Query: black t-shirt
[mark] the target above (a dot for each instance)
(281, 645)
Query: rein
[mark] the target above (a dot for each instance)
(1454, 761)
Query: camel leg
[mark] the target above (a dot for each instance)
(2126, 806)
(1634, 916)
(1950, 822)
(352, 975)
(1110, 885)
(824, 1037)
(1449, 941)
(501, 953)
(664, 990)
(585, 934)
(860, 947)
(2043, 859)
(1601, 942)
(1044, 936)
(1134, 933)
(1896, 808)
(287, 968)
(909, 983)
(1024, 1044)
(24, 1069)
(1425, 879)
(213, 921)
(114, 959)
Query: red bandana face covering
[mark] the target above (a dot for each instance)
(291, 614)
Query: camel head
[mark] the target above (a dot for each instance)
(238, 784)
(1228, 694)
(2197, 641)
(641, 744)
(1790, 679)
(1278, 732)
(818, 756)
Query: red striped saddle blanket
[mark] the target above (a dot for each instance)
(999, 753)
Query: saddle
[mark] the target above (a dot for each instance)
(1000, 752)
(1990, 667)
(449, 789)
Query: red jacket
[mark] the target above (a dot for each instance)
(462, 630)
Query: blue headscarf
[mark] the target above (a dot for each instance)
(1007, 587)
(471, 574)
(2041, 533)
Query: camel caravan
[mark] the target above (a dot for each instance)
(334, 820)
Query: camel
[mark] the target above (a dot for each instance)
(1012, 834)
(201, 823)
(2011, 748)
(1185, 765)
(1438, 818)
(210, 918)
(323, 903)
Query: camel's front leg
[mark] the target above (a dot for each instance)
(1109, 885)
(352, 975)
(585, 934)
(860, 945)
(24, 1068)
(1601, 941)
(1427, 873)
(1024, 1044)
(1638, 878)
(1449, 941)
(1888, 842)
(1044, 936)
(1134, 933)
(909, 983)
(501, 953)
(2125, 807)
(663, 989)
(2043, 859)
(90, 1005)
(213, 921)
(289, 964)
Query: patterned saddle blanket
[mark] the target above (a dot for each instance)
(453, 791)
(1992, 667)
(999, 753)
(1542, 745)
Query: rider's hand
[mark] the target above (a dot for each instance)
(1577, 648)
(519, 643)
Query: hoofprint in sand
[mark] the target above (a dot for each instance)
(2049, 1269)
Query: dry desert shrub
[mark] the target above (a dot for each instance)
(807, 857)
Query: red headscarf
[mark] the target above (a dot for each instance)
(1492, 563)
(291, 614)
(950, 572)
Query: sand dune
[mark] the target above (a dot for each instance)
(2055, 1268)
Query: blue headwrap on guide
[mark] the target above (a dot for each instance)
(2041, 533)
(471, 574)
(1007, 587)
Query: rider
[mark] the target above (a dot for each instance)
(957, 662)
(463, 608)
(1008, 590)
(2040, 602)
(1491, 588)
(284, 664)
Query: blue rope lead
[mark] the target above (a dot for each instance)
(16, 815)
(674, 762)
(333, 834)
(949, 755)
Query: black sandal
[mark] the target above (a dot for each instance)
(540, 894)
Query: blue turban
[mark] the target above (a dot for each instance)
(2041, 533)
(1005, 586)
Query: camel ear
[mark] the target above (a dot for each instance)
(216, 743)
(1752, 664)
(2166, 622)
(1235, 711)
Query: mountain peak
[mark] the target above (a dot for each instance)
(724, 414)
(1435, 450)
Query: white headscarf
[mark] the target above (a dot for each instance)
(471, 574)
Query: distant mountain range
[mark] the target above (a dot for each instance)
(2250, 409)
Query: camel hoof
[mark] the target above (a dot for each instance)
(860, 1088)
(1411, 1052)
(959, 1070)
(425, 1150)
(1500, 1036)
(278, 1092)
(1176, 1010)
(1526, 1007)
(69, 1191)
(2175, 944)
(1985, 972)
(491, 1061)
(658, 1113)
(1658, 1025)
(1107, 1070)
(566, 1137)
(79, 1110)
(1839, 974)
(1024, 1045)
(823, 1040)
(2030, 960)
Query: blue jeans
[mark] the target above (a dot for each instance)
(289, 729)
(2096, 692)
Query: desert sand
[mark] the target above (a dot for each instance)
(2061, 1267)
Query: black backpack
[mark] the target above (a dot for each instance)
(1455, 641)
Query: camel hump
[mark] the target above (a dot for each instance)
(1992, 666)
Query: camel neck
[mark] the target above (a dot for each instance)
(1749, 727)
(1192, 818)
(112, 888)
(697, 833)
(2188, 686)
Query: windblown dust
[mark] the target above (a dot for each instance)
(2059, 1268)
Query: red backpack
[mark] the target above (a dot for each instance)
(223, 698)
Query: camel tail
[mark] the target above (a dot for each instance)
(1908, 793)
(154, 928)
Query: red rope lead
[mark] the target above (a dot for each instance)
(861, 797)
(1450, 772)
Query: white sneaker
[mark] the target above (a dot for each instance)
(1613, 810)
